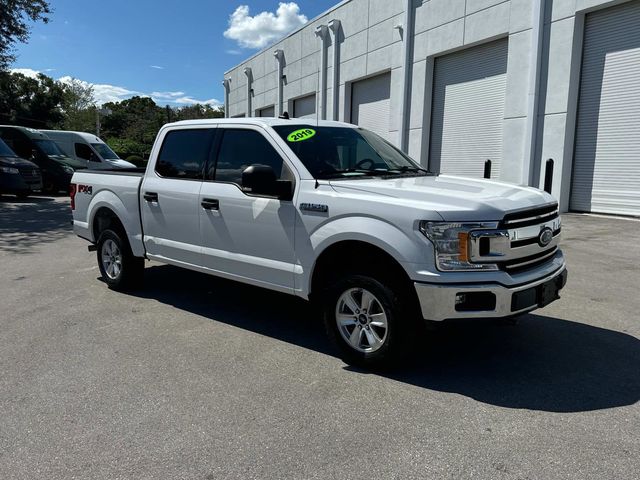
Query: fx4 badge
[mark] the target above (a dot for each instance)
(87, 189)
(314, 207)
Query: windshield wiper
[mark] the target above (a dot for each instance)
(406, 169)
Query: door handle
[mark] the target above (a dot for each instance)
(150, 196)
(210, 204)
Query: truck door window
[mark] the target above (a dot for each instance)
(184, 153)
(241, 148)
(83, 151)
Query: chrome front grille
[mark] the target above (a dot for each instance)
(524, 239)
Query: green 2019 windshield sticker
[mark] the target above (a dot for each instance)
(301, 135)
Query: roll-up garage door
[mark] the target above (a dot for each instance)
(606, 169)
(305, 107)
(267, 112)
(468, 110)
(370, 104)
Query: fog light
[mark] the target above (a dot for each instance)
(460, 298)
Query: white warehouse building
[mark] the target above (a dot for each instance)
(458, 82)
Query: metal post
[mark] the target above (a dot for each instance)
(487, 169)
(548, 176)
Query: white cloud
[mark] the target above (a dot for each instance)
(265, 27)
(233, 51)
(104, 92)
(157, 67)
(27, 72)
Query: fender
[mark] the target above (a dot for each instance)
(402, 247)
(128, 218)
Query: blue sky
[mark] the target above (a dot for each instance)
(175, 52)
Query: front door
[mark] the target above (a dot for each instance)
(249, 238)
(169, 197)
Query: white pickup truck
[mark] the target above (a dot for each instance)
(331, 213)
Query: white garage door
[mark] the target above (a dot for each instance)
(267, 112)
(468, 110)
(305, 107)
(606, 170)
(370, 104)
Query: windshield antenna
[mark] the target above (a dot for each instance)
(318, 102)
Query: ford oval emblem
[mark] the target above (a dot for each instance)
(545, 237)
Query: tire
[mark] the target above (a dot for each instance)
(119, 268)
(368, 321)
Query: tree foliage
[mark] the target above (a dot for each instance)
(130, 129)
(31, 102)
(79, 106)
(14, 15)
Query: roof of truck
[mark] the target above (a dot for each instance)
(89, 137)
(263, 121)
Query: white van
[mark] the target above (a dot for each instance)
(87, 148)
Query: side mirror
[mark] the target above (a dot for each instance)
(94, 158)
(262, 180)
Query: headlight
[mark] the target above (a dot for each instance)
(68, 169)
(14, 171)
(451, 242)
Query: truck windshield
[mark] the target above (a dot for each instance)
(342, 152)
(104, 151)
(5, 151)
(49, 148)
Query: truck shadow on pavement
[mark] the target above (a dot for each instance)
(542, 363)
(27, 223)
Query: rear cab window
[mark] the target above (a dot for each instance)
(184, 153)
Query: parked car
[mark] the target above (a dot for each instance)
(87, 148)
(17, 175)
(56, 167)
(331, 213)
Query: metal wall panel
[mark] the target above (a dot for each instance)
(468, 110)
(606, 170)
(267, 112)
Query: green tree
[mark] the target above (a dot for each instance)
(137, 120)
(197, 111)
(79, 106)
(14, 15)
(30, 102)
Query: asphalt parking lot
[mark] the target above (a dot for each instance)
(199, 378)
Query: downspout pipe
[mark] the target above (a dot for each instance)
(406, 30)
(334, 26)
(535, 66)
(322, 32)
(249, 74)
(226, 84)
(279, 55)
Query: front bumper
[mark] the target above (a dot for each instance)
(438, 301)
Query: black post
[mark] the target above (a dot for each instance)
(548, 176)
(487, 169)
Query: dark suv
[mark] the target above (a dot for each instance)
(17, 176)
(56, 167)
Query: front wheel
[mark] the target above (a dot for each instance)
(368, 322)
(119, 268)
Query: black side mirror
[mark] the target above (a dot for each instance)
(262, 180)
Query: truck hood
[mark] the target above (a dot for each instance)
(119, 163)
(454, 198)
(16, 162)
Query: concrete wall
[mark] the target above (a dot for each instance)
(543, 70)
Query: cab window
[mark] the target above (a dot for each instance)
(241, 148)
(184, 153)
(84, 151)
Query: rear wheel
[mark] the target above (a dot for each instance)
(368, 321)
(119, 268)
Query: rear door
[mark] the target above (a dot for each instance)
(169, 196)
(247, 237)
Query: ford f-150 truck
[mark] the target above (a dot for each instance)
(331, 213)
